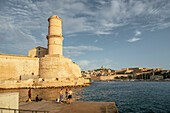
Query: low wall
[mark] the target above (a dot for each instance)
(14, 66)
(9, 100)
(26, 77)
(43, 83)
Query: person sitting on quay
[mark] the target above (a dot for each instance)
(61, 96)
(69, 96)
(37, 98)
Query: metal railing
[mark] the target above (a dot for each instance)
(9, 110)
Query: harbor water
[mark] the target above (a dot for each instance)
(138, 97)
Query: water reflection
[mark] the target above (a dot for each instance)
(45, 94)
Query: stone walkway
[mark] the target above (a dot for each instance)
(75, 107)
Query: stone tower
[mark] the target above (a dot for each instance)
(55, 65)
(54, 37)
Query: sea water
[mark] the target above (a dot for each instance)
(131, 96)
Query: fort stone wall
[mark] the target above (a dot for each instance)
(17, 71)
(14, 66)
(58, 66)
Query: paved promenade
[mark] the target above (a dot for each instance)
(75, 107)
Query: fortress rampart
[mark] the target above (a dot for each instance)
(41, 66)
(58, 67)
(12, 67)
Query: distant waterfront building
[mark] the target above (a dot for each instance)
(128, 73)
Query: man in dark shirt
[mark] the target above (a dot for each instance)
(37, 98)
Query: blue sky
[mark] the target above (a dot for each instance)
(114, 33)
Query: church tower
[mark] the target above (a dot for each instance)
(54, 37)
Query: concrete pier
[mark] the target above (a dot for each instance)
(75, 107)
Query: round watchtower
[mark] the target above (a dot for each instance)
(55, 39)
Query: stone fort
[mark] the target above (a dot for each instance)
(45, 63)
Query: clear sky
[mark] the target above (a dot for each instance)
(114, 33)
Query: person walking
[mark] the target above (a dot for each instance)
(69, 96)
(29, 93)
(61, 96)
(66, 95)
